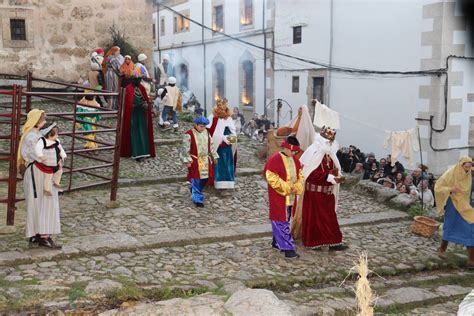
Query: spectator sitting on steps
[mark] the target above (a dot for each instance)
(425, 194)
(409, 183)
(263, 123)
(393, 170)
(417, 176)
(368, 165)
(371, 170)
(388, 183)
(359, 169)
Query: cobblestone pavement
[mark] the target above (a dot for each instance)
(392, 250)
(167, 207)
(166, 163)
(147, 210)
(158, 246)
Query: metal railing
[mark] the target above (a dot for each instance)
(68, 100)
(10, 117)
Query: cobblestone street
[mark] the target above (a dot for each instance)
(157, 246)
(370, 104)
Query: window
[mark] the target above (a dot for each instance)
(181, 23)
(295, 84)
(296, 34)
(218, 23)
(154, 34)
(17, 30)
(247, 91)
(318, 89)
(162, 26)
(220, 81)
(246, 12)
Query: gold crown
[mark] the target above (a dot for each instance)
(328, 133)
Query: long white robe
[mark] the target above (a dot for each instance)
(225, 161)
(43, 211)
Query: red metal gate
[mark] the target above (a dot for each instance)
(68, 100)
(10, 118)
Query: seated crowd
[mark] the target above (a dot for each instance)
(419, 183)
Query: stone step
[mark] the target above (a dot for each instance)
(415, 293)
(249, 261)
(114, 242)
(241, 172)
(168, 141)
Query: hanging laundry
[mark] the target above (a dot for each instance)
(402, 142)
(324, 116)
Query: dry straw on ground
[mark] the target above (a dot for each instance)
(365, 298)
(364, 295)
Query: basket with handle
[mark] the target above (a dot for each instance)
(424, 226)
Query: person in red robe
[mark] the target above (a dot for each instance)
(137, 142)
(285, 181)
(321, 169)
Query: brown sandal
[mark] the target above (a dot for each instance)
(442, 254)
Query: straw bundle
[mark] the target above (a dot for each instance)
(364, 295)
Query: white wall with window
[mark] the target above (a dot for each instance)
(180, 23)
(371, 35)
(241, 18)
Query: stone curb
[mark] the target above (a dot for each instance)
(170, 141)
(242, 172)
(116, 242)
(390, 197)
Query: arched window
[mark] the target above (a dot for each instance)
(220, 80)
(182, 75)
(247, 88)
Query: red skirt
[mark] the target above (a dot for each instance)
(319, 221)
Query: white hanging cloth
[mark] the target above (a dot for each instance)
(305, 133)
(402, 142)
(324, 116)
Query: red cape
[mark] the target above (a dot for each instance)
(126, 146)
(278, 202)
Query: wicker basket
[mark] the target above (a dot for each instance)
(424, 226)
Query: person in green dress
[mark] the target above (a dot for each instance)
(137, 130)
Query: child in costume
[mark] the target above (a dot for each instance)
(85, 110)
(51, 156)
(285, 181)
(199, 154)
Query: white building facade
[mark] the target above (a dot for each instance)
(209, 64)
(381, 35)
(373, 35)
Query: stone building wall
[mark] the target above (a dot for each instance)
(447, 37)
(60, 34)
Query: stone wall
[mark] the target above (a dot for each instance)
(447, 37)
(60, 34)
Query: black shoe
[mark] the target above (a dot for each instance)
(34, 240)
(49, 243)
(291, 254)
(199, 204)
(338, 247)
